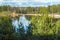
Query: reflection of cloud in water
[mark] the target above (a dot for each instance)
(22, 20)
(15, 24)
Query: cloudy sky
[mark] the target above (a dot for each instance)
(25, 3)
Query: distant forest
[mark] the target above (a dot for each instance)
(25, 10)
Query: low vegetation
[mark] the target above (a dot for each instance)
(41, 27)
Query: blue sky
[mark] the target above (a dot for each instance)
(26, 3)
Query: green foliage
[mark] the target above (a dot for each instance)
(45, 26)
(5, 28)
(42, 28)
(58, 27)
(50, 9)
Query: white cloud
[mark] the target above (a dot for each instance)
(41, 0)
(1, 0)
(44, 1)
(30, 2)
(55, 0)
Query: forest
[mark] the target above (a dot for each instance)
(25, 10)
(41, 27)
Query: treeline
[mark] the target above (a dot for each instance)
(5, 8)
(50, 9)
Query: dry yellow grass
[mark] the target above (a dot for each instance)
(5, 13)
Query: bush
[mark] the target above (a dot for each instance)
(5, 28)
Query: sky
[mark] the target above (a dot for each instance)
(26, 3)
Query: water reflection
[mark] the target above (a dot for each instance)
(17, 23)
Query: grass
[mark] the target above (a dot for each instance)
(4, 13)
